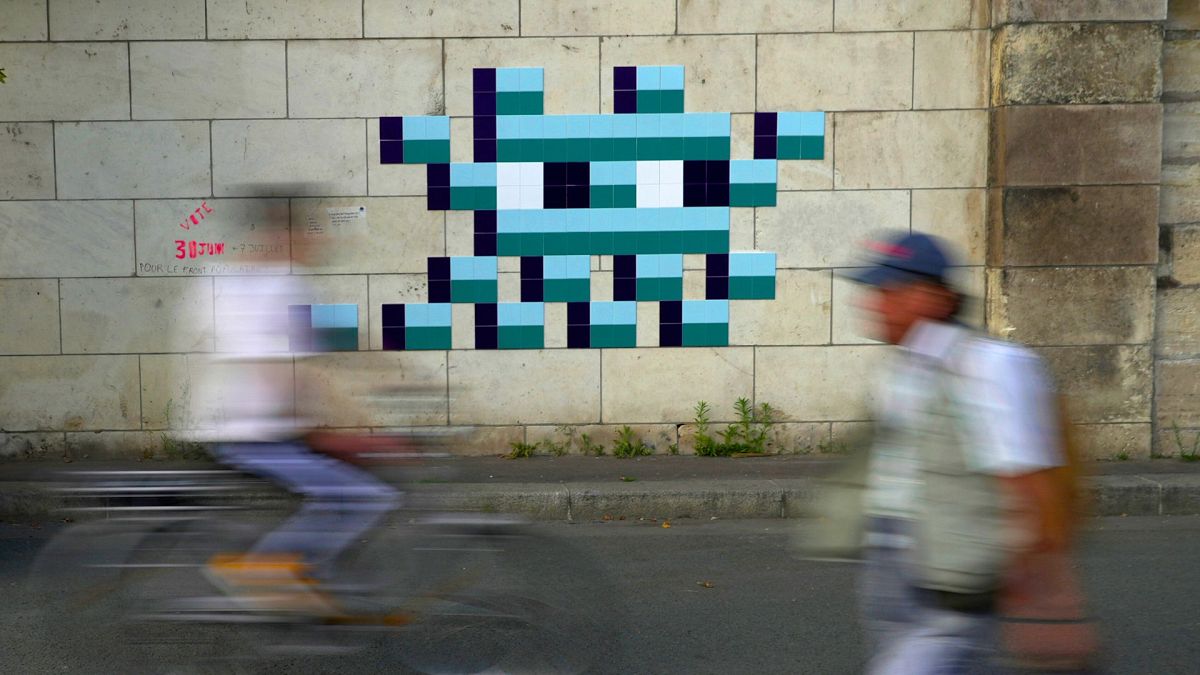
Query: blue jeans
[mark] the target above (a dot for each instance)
(341, 502)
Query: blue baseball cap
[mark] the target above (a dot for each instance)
(904, 258)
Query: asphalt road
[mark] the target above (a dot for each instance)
(728, 597)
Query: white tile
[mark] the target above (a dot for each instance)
(670, 195)
(648, 172)
(532, 197)
(508, 173)
(670, 171)
(508, 197)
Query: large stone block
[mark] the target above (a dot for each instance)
(922, 149)
(1177, 394)
(851, 324)
(571, 80)
(1185, 255)
(283, 19)
(357, 389)
(389, 289)
(127, 20)
(664, 385)
(755, 16)
(958, 216)
(1181, 70)
(1109, 225)
(24, 20)
(1182, 15)
(718, 69)
(1181, 133)
(1180, 196)
(525, 387)
(66, 238)
(175, 80)
(841, 71)
(808, 384)
(587, 17)
(1072, 305)
(27, 161)
(1104, 383)
(322, 289)
(65, 81)
(435, 19)
(130, 315)
(32, 446)
(181, 391)
(951, 69)
(826, 229)
(799, 314)
(1177, 332)
(1033, 11)
(1077, 63)
(400, 235)
(114, 160)
(30, 311)
(44, 393)
(364, 78)
(253, 232)
(289, 158)
(1114, 441)
(871, 15)
(1060, 144)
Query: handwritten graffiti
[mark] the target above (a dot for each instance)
(196, 249)
(192, 219)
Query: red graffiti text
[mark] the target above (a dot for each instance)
(196, 216)
(197, 249)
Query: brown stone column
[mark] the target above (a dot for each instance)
(1076, 148)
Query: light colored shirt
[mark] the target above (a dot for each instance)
(1000, 390)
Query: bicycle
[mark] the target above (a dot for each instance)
(433, 592)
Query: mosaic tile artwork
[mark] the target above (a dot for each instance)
(646, 185)
(322, 328)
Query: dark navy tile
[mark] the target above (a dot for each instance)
(554, 173)
(765, 147)
(485, 314)
(717, 288)
(670, 311)
(765, 124)
(695, 195)
(670, 335)
(624, 289)
(695, 171)
(579, 173)
(624, 266)
(716, 264)
(718, 194)
(487, 337)
(439, 199)
(484, 79)
(625, 102)
(578, 196)
(624, 78)
(393, 338)
(579, 314)
(531, 267)
(718, 171)
(485, 244)
(485, 126)
(532, 290)
(437, 175)
(393, 315)
(554, 197)
(391, 152)
(391, 128)
(485, 150)
(485, 221)
(579, 337)
(439, 290)
(438, 268)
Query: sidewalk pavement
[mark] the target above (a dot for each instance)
(577, 488)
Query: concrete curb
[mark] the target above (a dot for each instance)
(1131, 495)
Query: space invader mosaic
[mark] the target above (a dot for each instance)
(646, 185)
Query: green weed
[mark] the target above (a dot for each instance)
(520, 449)
(588, 447)
(1187, 452)
(629, 444)
(748, 435)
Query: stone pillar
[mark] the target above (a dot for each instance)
(1076, 148)
(1177, 343)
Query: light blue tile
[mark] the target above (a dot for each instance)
(486, 268)
(437, 128)
(508, 79)
(671, 77)
(624, 173)
(648, 77)
(812, 124)
(462, 175)
(578, 220)
(439, 314)
(647, 266)
(533, 314)
(579, 267)
(414, 128)
(693, 125)
(416, 315)
(670, 265)
(602, 313)
(508, 126)
(600, 126)
(600, 173)
(323, 316)
(741, 171)
(462, 268)
(555, 126)
(624, 126)
(624, 313)
(649, 126)
(485, 174)
(532, 79)
(767, 171)
(671, 124)
(741, 264)
(532, 126)
(508, 313)
(554, 267)
(345, 316)
(578, 126)
(509, 221)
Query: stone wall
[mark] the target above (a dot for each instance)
(1073, 209)
(122, 117)
(1177, 368)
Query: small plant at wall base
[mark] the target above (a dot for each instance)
(589, 447)
(1187, 452)
(629, 444)
(747, 436)
(2, 76)
(520, 449)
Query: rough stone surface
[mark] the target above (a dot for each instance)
(350, 389)
(755, 16)
(1185, 255)
(1181, 133)
(550, 440)
(283, 19)
(91, 81)
(1109, 225)
(1114, 441)
(571, 77)
(175, 80)
(919, 149)
(951, 69)
(52, 248)
(1058, 145)
(127, 20)
(1180, 195)
(1072, 305)
(401, 234)
(30, 309)
(1177, 332)
(842, 71)
(116, 160)
(834, 223)
(506, 387)
(1183, 15)
(364, 78)
(129, 445)
(957, 216)
(40, 393)
(1077, 63)
(26, 161)
(172, 315)
(434, 18)
(799, 314)
(24, 20)
(871, 15)
(289, 158)
(1181, 63)
(23, 446)
(1031, 11)
(664, 385)
(182, 391)
(1104, 383)
(1177, 394)
(817, 383)
(587, 17)
(718, 69)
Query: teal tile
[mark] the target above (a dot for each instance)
(601, 196)
(812, 147)
(555, 150)
(567, 290)
(625, 196)
(647, 289)
(648, 101)
(705, 334)
(485, 198)
(508, 244)
(613, 337)
(600, 149)
(427, 338)
(520, 337)
(672, 147)
(741, 194)
(335, 339)
(508, 103)
(624, 149)
(695, 148)
(579, 150)
(508, 150)
(671, 101)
